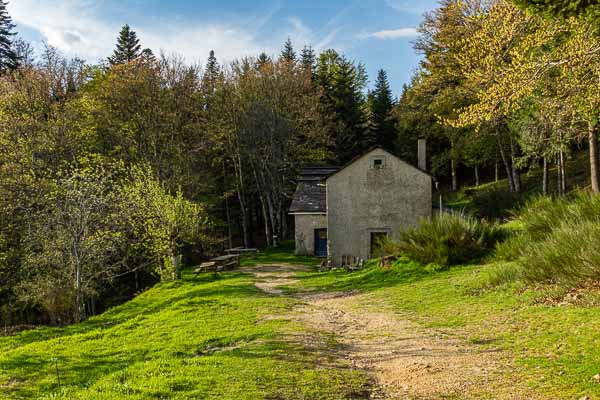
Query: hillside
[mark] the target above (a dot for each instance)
(287, 333)
(218, 338)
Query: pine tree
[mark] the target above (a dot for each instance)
(148, 55)
(342, 83)
(262, 60)
(288, 54)
(128, 47)
(381, 105)
(308, 58)
(8, 55)
(349, 82)
(211, 78)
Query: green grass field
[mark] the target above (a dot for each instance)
(220, 338)
(209, 338)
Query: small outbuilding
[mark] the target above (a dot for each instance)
(342, 213)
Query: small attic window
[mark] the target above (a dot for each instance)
(377, 162)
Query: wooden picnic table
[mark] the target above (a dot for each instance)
(219, 264)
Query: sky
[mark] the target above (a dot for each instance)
(378, 33)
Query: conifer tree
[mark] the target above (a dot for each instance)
(288, 54)
(308, 58)
(8, 55)
(262, 60)
(342, 83)
(128, 47)
(381, 105)
(148, 55)
(212, 75)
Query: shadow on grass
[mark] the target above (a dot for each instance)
(283, 254)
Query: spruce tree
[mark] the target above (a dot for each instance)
(212, 65)
(349, 81)
(8, 55)
(381, 105)
(262, 60)
(288, 54)
(211, 77)
(128, 47)
(308, 58)
(342, 83)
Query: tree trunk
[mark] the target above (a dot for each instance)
(594, 173)
(244, 217)
(515, 173)
(268, 232)
(454, 177)
(563, 177)
(273, 219)
(284, 226)
(78, 297)
(558, 178)
(509, 176)
(477, 175)
(496, 170)
(545, 177)
(227, 213)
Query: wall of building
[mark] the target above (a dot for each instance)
(362, 200)
(305, 232)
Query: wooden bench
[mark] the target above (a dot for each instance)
(219, 264)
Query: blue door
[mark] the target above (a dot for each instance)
(321, 242)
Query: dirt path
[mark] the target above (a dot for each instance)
(405, 361)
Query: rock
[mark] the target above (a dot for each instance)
(585, 398)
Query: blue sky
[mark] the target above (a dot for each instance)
(378, 33)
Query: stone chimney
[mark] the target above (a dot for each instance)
(422, 154)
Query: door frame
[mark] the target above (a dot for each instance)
(317, 239)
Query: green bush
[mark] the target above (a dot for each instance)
(448, 239)
(495, 204)
(558, 241)
(569, 256)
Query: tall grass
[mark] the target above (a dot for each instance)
(558, 240)
(448, 239)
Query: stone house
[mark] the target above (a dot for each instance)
(344, 212)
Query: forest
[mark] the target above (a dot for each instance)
(116, 174)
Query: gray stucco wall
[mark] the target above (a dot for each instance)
(305, 232)
(362, 200)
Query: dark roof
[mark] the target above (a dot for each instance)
(311, 193)
(316, 173)
(310, 197)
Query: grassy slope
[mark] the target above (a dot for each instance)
(492, 199)
(556, 349)
(202, 338)
(208, 338)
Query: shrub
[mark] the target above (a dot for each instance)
(495, 204)
(569, 256)
(558, 241)
(448, 239)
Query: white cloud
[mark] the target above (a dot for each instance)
(391, 34)
(303, 35)
(408, 6)
(74, 27)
